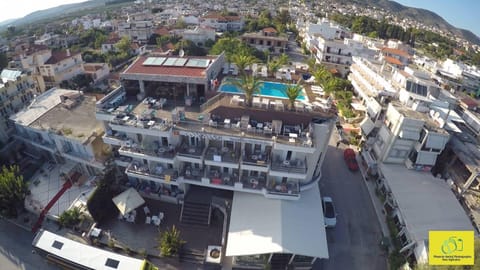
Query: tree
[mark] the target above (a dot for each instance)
(13, 190)
(100, 38)
(273, 66)
(190, 48)
(250, 86)
(242, 61)
(292, 92)
(70, 217)
(124, 45)
(283, 59)
(3, 61)
(170, 242)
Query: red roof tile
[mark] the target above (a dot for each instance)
(269, 30)
(395, 52)
(393, 60)
(58, 56)
(138, 68)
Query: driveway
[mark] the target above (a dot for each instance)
(354, 242)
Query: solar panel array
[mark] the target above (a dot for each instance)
(176, 62)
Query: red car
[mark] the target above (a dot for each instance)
(349, 156)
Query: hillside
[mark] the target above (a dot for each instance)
(422, 15)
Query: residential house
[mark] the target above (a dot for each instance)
(96, 71)
(199, 35)
(266, 39)
(222, 23)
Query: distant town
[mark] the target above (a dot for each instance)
(245, 135)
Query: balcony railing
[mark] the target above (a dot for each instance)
(223, 154)
(289, 188)
(163, 152)
(193, 174)
(190, 151)
(257, 159)
(217, 178)
(290, 166)
(254, 182)
(166, 175)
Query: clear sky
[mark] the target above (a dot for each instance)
(12, 9)
(459, 13)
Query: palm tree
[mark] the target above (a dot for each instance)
(292, 92)
(273, 66)
(250, 86)
(242, 61)
(283, 59)
(322, 76)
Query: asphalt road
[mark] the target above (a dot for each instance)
(354, 242)
(16, 250)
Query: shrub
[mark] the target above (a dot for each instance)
(170, 242)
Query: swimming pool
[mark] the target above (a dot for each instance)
(268, 89)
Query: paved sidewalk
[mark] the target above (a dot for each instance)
(377, 204)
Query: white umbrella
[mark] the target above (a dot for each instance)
(128, 201)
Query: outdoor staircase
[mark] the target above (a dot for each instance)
(196, 213)
(192, 256)
(280, 261)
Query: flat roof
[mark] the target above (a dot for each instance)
(259, 225)
(426, 203)
(170, 66)
(48, 113)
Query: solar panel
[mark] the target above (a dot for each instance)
(195, 62)
(154, 61)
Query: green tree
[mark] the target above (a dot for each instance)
(249, 85)
(242, 61)
(283, 59)
(100, 38)
(273, 66)
(3, 61)
(13, 191)
(190, 48)
(292, 92)
(70, 217)
(170, 242)
(124, 45)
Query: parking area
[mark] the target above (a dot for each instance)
(354, 243)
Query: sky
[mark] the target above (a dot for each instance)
(459, 13)
(12, 9)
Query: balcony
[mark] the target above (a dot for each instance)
(123, 161)
(40, 142)
(221, 154)
(254, 182)
(114, 139)
(285, 189)
(421, 147)
(158, 174)
(193, 174)
(297, 166)
(161, 154)
(258, 158)
(190, 151)
(217, 178)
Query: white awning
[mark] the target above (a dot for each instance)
(260, 226)
(128, 201)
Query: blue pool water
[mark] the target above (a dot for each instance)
(268, 89)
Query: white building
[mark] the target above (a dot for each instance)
(17, 89)
(269, 158)
(62, 65)
(137, 28)
(222, 23)
(199, 35)
(60, 125)
(97, 71)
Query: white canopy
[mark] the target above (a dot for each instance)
(128, 200)
(259, 225)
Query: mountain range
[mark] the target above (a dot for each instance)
(421, 15)
(424, 16)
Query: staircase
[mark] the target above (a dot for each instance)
(280, 261)
(192, 256)
(196, 213)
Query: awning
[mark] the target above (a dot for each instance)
(260, 226)
(367, 126)
(128, 200)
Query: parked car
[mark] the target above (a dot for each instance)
(349, 156)
(330, 216)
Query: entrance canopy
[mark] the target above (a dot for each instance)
(259, 225)
(128, 200)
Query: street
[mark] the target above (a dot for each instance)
(354, 242)
(16, 249)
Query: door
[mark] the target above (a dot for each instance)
(289, 155)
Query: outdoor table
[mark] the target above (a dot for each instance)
(96, 232)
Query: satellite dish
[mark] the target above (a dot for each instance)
(181, 53)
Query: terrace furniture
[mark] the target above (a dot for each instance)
(256, 102)
(146, 210)
(227, 122)
(148, 220)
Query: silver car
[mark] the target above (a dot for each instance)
(330, 216)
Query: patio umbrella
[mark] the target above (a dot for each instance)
(128, 201)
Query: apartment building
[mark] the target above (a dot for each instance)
(199, 35)
(222, 23)
(137, 27)
(17, 89)
(267, 39)
(59, 126)
(173, 134)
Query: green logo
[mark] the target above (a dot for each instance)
(452, 244)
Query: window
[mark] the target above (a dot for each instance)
(112, 263)
(260, 42)
(269, 43)
(279, 43)
(57, 245)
